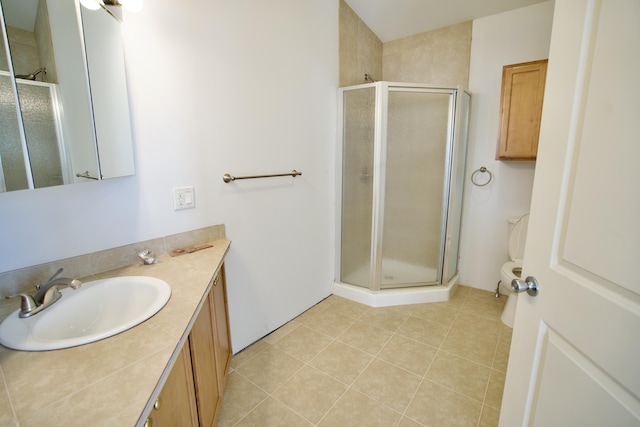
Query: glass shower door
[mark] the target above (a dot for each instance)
(415, 186)
(40, 125)
(357, 185)
(12, 155)
(458, 163)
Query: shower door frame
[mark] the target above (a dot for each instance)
(56, 113)
(382, 89)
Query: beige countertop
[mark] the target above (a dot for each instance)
(111, 382)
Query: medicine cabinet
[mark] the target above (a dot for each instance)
(64, 107)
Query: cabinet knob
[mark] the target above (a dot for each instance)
(215, 281)
(148, 422)
(157, 404)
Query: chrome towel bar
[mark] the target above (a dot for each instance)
(86, 175)
(228, 178)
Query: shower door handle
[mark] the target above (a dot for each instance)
(530, 284)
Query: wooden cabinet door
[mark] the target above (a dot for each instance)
(223, 337)
(203, 359)
(176, 404)
(521, 110)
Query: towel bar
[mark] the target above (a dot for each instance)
(228, 178)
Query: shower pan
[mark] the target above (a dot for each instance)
(402, 151)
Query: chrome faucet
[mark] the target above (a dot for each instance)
(46, 294)
(33, 75)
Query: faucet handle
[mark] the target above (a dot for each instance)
(50, 296)
(146, 257)
(75, 284)
(56, 274)
(27, 304)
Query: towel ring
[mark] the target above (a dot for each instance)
(482, 170)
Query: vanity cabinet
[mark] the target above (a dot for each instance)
(203, 356)
(176, 405)
(222, 332)
(521, 109)
(193, 390)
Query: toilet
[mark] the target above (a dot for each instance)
(513, 268)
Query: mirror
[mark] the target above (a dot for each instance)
(110, 100)
(64, 115)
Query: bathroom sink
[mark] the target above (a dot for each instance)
(98, 309)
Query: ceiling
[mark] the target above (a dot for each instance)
(388, 19)
(395, 19)
(20, 13)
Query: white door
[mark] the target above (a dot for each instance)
(575, 354)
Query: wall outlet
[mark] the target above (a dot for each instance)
(183, 198)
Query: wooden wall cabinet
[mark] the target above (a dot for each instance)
(192, 394)
(521, 109)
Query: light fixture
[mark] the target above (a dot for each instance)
(130, 5)
(91, 4)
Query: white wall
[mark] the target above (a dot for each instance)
(231, 86)
(508, 38)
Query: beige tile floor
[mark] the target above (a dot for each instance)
(345, 364)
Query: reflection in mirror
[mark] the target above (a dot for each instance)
(13, 174)
(41, 125)
(54, 124)
(40, 36)
(32, 56)
(73, 87)
(110, 100)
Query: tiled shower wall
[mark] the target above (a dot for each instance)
(31, 50)
(360, 49)
(439, 56)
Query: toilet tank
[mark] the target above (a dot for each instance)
(517, 236)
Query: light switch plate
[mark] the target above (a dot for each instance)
(184, 198)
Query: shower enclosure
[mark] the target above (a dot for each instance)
(403, 149)
(39, 157)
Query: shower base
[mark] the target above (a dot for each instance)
(396, 273)
(395, 269)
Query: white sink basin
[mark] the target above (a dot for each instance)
(97, 310)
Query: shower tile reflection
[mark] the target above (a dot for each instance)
(342, 363)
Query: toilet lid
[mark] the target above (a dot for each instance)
(517, 238)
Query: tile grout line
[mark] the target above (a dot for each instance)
(350, 387)
(426, 372)
(270, 394)
(305, 364)
(493, 361)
